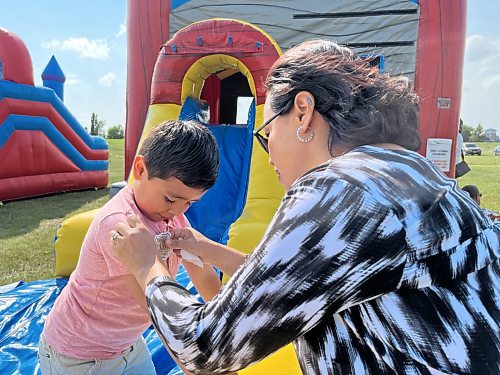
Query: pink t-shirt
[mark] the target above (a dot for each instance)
(96, 316)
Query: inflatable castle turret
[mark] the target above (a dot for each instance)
(53, 77)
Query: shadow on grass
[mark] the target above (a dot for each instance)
(23, 216)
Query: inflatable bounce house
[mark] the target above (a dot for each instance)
(207, 61)
(43, 148)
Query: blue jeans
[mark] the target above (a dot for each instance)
(136, 360)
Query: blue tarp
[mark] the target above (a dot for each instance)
(23, 310)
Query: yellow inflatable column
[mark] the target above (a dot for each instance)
(157, 113)
(263, 198)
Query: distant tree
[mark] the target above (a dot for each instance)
(96, 125)
(93, 124)
(477, 134)
(116, 132)
(467, 132)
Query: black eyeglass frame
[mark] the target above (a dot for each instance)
(263, 140)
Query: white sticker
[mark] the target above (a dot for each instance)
(444, 103)
(439, 152)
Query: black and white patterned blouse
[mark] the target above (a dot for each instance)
(375, 263)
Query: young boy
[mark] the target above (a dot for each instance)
(96, 324)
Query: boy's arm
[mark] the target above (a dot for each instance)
(205, 280)
(135, 289)
(115, 267)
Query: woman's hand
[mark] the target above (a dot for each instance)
(191, 240)
(223, 257)
(134, 247)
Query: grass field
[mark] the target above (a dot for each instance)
(27, 227)
(485, 174)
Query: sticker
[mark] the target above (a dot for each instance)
(444, 103)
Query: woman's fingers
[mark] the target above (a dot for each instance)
(178, 244)
(133, 245)
(133, 220)
(184, 233)
(122, 228)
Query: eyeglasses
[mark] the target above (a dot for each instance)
(263, 140)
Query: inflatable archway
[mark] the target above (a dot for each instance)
(223, 48)
(184, 64)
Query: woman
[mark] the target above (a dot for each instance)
(374, 263)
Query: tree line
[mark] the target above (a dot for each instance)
(98, 127)
(471, 134)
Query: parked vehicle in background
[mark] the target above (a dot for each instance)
(471, 149)
(496, 151)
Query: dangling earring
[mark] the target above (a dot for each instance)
(304, 140)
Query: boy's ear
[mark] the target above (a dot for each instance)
(139, 167)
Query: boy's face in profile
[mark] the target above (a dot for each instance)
(161, 200)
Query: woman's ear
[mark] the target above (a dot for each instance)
(304, 105)
(139, 167)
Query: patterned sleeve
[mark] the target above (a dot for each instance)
(330, 246)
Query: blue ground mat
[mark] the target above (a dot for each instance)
(23, 310)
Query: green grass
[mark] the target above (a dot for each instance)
(485, 174)
(28, 227)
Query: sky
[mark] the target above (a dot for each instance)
(88, 39)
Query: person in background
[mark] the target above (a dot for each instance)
(374, 263)
(474, 193)
(460, 144)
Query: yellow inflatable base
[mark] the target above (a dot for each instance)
(283, 362)
(69, 239)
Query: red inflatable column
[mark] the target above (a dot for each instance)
(439, 70)
(147, 30)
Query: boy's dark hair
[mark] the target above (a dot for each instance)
(182, 149)
(360, 105)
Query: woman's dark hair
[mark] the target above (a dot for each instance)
(182, 149)
(361, 105)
